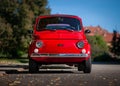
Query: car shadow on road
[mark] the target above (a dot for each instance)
(23, 69)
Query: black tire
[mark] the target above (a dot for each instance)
(33, 66)
(80, 67)
(87, 66)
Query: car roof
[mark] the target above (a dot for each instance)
(59, 15)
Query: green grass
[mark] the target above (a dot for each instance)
(12, 61)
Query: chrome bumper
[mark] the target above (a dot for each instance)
(59, 55)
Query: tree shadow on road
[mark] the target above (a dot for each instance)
(40, 72)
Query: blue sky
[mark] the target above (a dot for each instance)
(105, 13)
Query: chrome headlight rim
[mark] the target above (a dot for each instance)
(39, 44)
(80, 44)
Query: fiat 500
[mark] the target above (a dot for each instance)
(59, 39)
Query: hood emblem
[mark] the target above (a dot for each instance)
(60, 45)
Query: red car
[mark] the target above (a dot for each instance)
(59, 39)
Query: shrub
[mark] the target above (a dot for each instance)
(98, 46)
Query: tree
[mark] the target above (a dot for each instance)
(5, 36)
(115, 43)
(18, 16)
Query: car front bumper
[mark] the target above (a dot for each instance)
(62, 55)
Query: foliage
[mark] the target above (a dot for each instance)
(105, 57)
(16, 17)
(115, 43)
(98, 45)
(5, 36)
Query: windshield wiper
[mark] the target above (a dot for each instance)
(49, 29)
(71, 30)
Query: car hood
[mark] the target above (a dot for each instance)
(60, 34)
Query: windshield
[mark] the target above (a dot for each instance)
(59, 23)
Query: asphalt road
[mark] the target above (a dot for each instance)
(60, 75)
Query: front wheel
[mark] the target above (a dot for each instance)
(33, 66)
(87, 66)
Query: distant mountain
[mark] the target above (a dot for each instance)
(97, 30)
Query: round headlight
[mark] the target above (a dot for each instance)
(39, 44)
(80, 44)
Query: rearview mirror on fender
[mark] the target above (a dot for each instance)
(30, 31)
(87, 31)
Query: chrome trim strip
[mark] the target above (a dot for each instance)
(59, 55)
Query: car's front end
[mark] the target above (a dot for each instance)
(58, 39)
